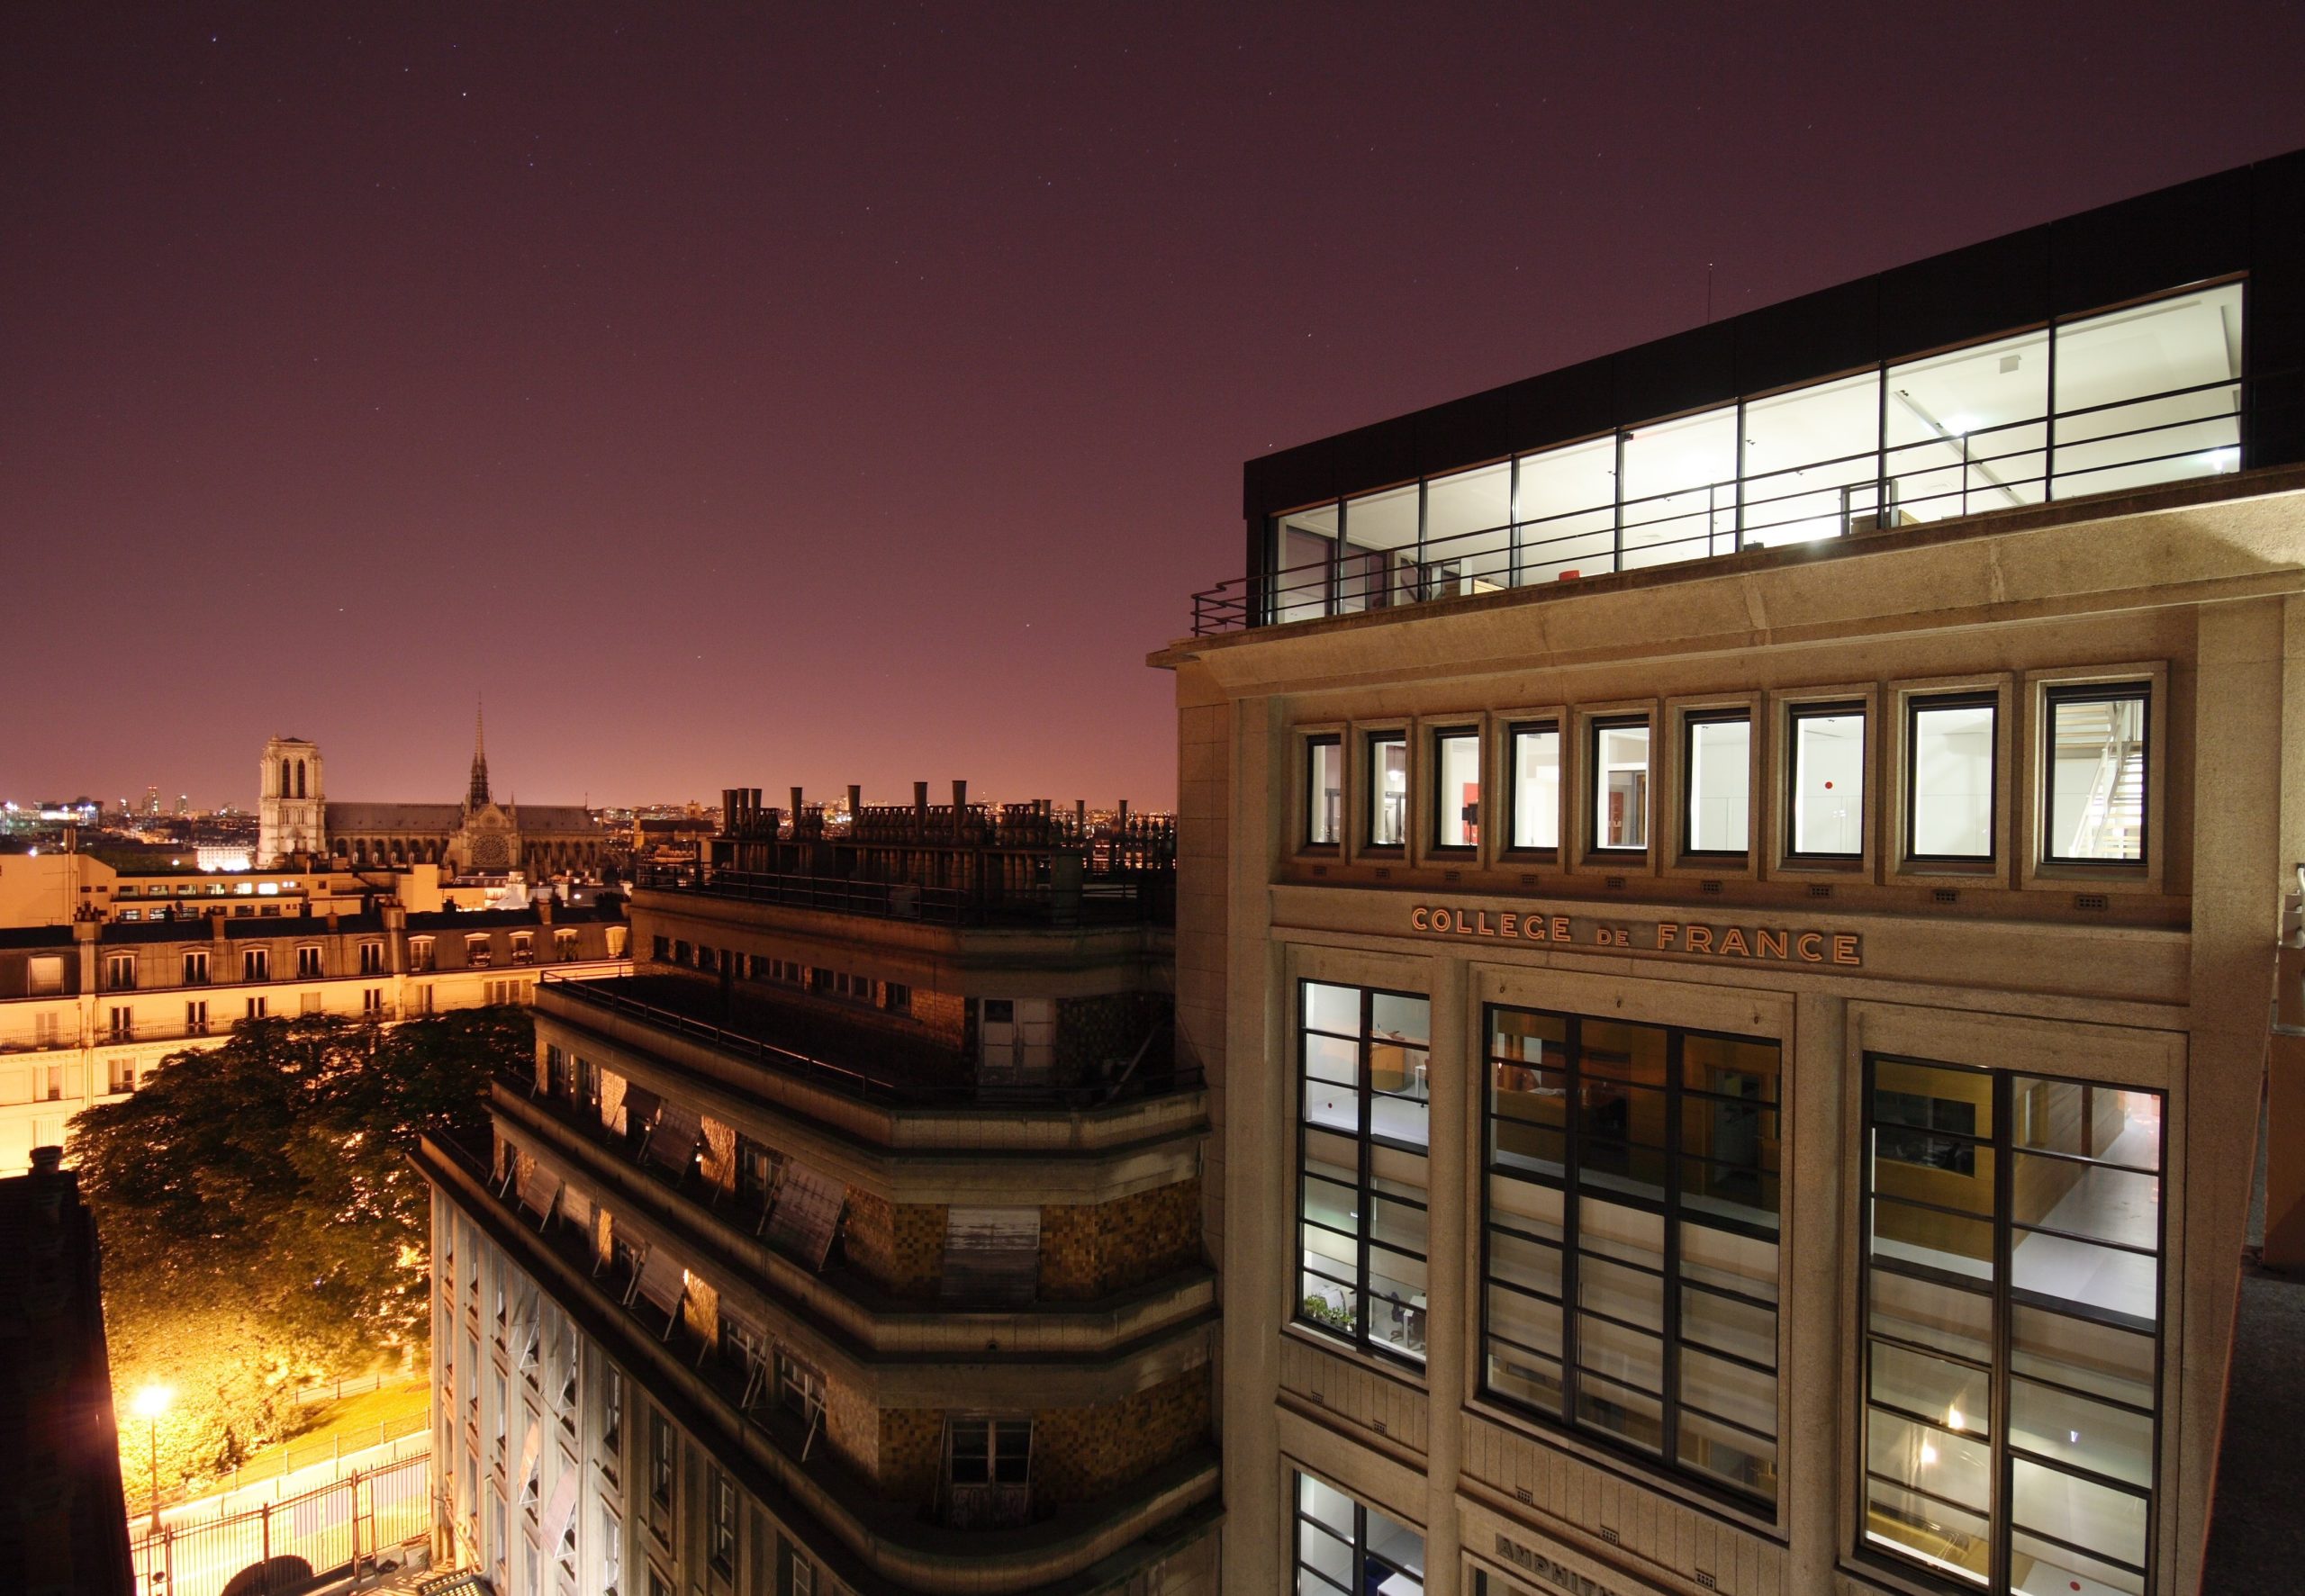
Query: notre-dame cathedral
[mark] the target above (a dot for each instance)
(477, 837)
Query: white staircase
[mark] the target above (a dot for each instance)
(2111, 823)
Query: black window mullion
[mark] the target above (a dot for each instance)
(1669, 1440)
(1571, 1173)
(1999, 1519)
(1360, 1316)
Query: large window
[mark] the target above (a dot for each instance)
(1456, 793)
(1536, 786)
(1388, 789)
(2112, 401)
(1631, 1220)
(1345, 1549)
(1620, 786)
(1324, 791)
(1362, 1133)
(1950, 777)
(1719, 776)
(2094, 810)
(2013, 1294)
(1828, 781)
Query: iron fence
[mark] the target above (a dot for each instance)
(284, 1548)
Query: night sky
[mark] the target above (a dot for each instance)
(859, 394)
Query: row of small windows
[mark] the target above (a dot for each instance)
(1630, 1273)
(847, 986)
(2092, 787)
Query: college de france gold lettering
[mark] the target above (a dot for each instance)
(1757, 942)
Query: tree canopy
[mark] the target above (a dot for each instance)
(269, 1173)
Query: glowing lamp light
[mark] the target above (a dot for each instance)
(1960, 426)
(1927, 1454)
(1953, 1419)
(153, 1400)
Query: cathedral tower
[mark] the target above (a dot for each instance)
(291, 810)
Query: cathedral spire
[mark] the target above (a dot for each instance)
(479, 794)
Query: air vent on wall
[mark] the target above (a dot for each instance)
(1946, 895)
(1613, 883)
(1384, 872)
(1452, 877)
(1710, 888)
(1528, 878)
(1821, 889)
(1320, 870)
(2090, 900)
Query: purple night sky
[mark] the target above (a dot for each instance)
(857, 394)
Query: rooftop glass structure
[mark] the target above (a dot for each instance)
(2150, 342)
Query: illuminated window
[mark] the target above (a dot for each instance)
(1717, 776)
(1620, 785)
(1362, 1138)
(1388, 789)
(1950, 757)
(1631, 1225)
(1827, 780)
(1456, 795)
(1323, 792)
(1536, 786)
(2011, 1321)
(1344, 1548)
(2094, 765)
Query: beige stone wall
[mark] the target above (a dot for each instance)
(852, 1426)
(901, 1249)
(1081, 1453)
(1090, 1251)
(611, 1096)
(910, 1442)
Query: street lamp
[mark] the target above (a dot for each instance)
(152, 1402)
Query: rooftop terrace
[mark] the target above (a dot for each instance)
(2152, 342)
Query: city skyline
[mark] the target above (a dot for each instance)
(732, 400)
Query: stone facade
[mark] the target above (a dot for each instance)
(1093, 1252)
(911, 1443)
(900, 1248)
(1095, 1036)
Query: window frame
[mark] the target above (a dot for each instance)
(1471, 729)
(1583, 809)
(2003, 1297)
(1365, 790)
(1508, 728)
(1683, 716)
(1360, 1338)
(2039, 868)
(1308, 739)
(1911, 697)
(1673, 1283)
(1362, 1553)
(1787, 711)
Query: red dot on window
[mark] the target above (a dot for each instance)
(1828, 787)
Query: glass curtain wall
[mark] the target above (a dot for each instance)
(2013, 1301)
(1362, 1136)
(2110, 402)
(1345, 1549)
(1630, 1227)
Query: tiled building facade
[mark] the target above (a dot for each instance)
(856, 1237)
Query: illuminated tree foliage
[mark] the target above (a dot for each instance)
(267, 1175)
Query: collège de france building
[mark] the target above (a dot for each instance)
(1728, 899)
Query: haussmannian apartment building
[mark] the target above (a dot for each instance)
(1727, 906)
(89, 1007)
(854, 1244)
